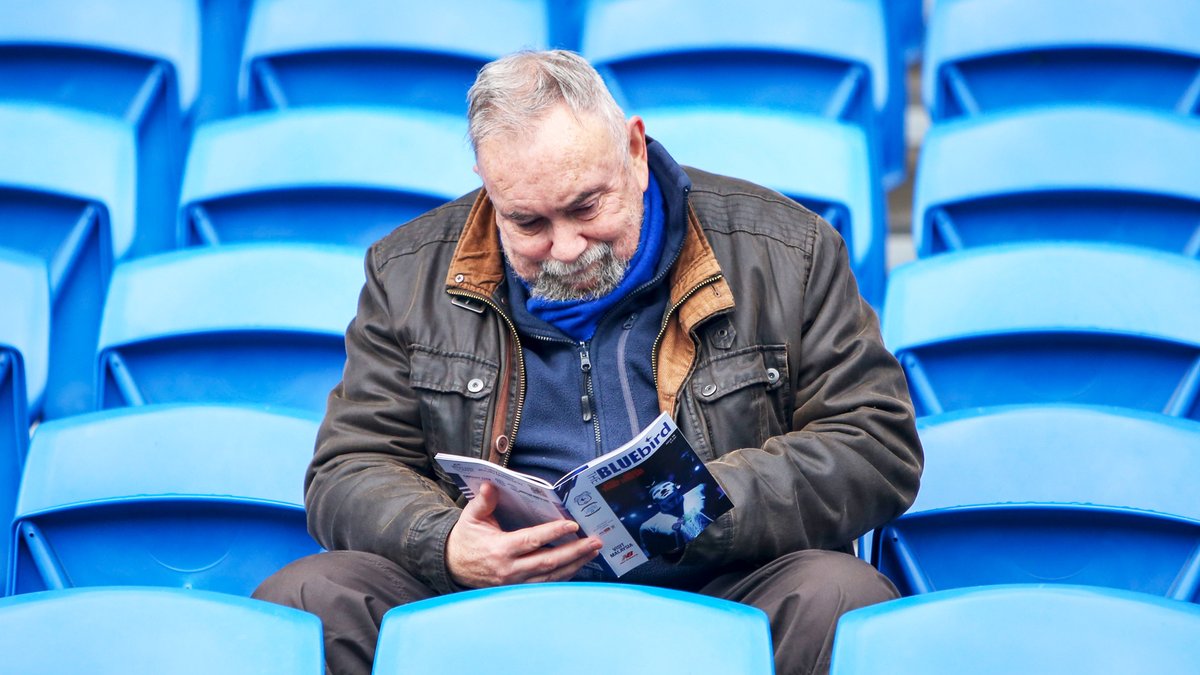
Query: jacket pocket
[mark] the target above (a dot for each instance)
(743, 396)
(455, 392)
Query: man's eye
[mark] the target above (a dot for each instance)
(586, 209)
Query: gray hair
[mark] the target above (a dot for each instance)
(513, 92)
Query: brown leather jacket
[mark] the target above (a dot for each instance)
(768, 358)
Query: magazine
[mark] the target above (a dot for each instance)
(650, 496)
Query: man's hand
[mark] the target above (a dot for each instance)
(479, 554)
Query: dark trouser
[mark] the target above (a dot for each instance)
(802, 593)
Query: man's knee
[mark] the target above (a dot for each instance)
(325, 582)
(834, 583)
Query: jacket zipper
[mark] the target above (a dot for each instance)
(662, 330)
(589, 394)
(512, 435)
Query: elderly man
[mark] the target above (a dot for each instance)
(544, 319)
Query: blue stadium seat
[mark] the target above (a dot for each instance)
(581, 628)
(1086, 495)
(245, 324)
(842, 187)
(111, 631)
(222, 33)
(829, 58)
(987, 55)
(380, 52)
(67, 194)
(24, 355)
(1027, 629)
(206, 497)
(134, 62)
(339, 175)
(1114, 174)
(1049, 322)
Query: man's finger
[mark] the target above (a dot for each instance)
(484, 503)
(530, 539)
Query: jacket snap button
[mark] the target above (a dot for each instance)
(475, 386)
(709, 390)
(459, 278)
(772, 375)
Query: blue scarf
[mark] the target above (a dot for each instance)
(578, 318)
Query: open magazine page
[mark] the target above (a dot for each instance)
(649, 497)
(523, 500)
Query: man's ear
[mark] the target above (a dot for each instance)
(635, 129)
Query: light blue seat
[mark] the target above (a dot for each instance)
(323, 174)
(1047, 493)
(106, 631)
(259, 324)
(1101, 173)
(1045, 323)
(582, 628)
(222, 34)
(1028, 629)
(829, 58)
(987, 55)
(205, 497)
(24, 357)
(842, 187)
(380, 52)
(67, 197)
(134, 62)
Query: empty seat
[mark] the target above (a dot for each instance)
(829, 58)
(987, 55)
(259, 324)
(207, 497)
(24, 355)
(331, 174)
(1124, 175)
(67, 196)
(842, 185)
(133, 62)
(655, 629)
(1051, 494)
(106, 631)
(1044, 323)
(1029, 629)
(380, 52)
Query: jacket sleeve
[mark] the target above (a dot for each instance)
(369, 486)
(852, 459)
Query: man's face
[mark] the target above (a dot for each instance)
(568, 202)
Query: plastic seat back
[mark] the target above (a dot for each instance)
(1037, 630)
(1052, 494)
(829, 58)
(136, 63)
(257, 324)
(67, 197)
(24, 356)
(330, 174)
(1046, 323)
(843, 187)
(988, 55)
(106, 631)
(1121, 175)
(380, 52)
(580, 627)
(206, 497)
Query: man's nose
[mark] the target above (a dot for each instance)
(568, 243)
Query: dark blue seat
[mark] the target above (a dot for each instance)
(829, 58)
(842, 187)
(988, 55)
(1086, 495)
(257, 324)
(106, 631)
(1100, 173)
(1053, 322)
(1028, 629)
(380, 52)
(197, 497)
(583, 628)
(340, 175)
